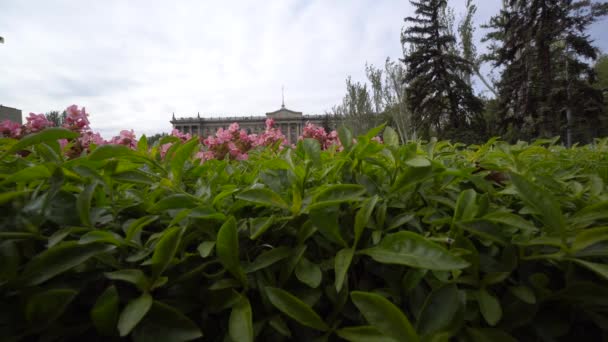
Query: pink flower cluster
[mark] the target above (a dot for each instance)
(233, 142)
(11, 129)
(76, 119)
(236, 143)
(126, 138)
(325, 139)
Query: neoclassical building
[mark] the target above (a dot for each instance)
(290, 122)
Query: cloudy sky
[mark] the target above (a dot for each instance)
(133, 63)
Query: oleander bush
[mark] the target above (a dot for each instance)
(369, 242)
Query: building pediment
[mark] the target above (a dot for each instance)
(284, 113)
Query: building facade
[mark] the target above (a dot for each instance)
(290, 122)
(9, 113)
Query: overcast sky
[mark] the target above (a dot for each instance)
(133, 63)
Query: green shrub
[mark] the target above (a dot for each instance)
(430, 242)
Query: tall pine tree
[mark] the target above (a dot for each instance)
(546, 83)
(440, 99)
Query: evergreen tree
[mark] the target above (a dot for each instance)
(439, 97)
(546, 84)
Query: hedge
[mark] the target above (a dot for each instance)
(379, 242)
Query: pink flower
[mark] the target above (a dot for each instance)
(11, 129)
(76, 119)
(234, 127)
(378, 140)
(164, 148)
(37, 122)
(269, 123)
(88, 138)
(182, 136)
(126, 138)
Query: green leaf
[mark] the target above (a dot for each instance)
(48, 134)
(542, 201)
(466, 207)
(265, 197)
(384, 316)
(6, 197)
(29, 174)
(59, 259)
(268, 258)
(309, 273)
(312, 149)
(346, 137)
(182, 154)
(418, 162)
(112, 151)
(524, 293)
(411, 249)
(83, 204)
(135, 176)
(45, 307)
(588, 237)
(365, 333)
(511, 220)
(101, 236)
(295, 308)
(240, 324)
(227, 250)
(338, 193)
(133, 276)
(391, 138)
(136, 226)
(205, 248)
(142, 144)
(362, 217)
(133, 313)
(177, 201)
(326, 221)
(341, 264)
(165, 250)
(104, 313)
(259, 225)
(440, 309)
(599, 269)
(164, 323)
(489, 307)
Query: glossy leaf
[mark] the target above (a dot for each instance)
(84, 203)
(104, 313)
(133, 276)
(48, 134)
(59, 259)
(45, 307)
(164, 323)
(362, 217)
(411, 249)
(240, 324)
(133, 313)
(165, 250)
(264, 197)
(295, 308)
(440, 309)
(309, 273)
(227, 249)
(341, 264)
(384, 316)
(489, 306)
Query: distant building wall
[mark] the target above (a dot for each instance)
(290, 122)
(8, 113)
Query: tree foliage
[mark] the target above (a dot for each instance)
(546, 84)
(438, 96)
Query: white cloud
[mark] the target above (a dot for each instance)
(133, 63)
